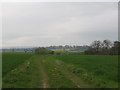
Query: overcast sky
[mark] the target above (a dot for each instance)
(58, 23)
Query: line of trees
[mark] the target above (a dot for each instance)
(74, 47)
(106, 47)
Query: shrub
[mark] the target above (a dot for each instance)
(43, 51)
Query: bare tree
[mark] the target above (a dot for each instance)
(116, 48)
(96, 45)
(106, 45)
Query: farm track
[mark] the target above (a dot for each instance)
(76, 80)
(44, 75)
(43, 78)
(63, 69)
(69, 75)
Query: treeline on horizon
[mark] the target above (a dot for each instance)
(74, 47)
(105, 47)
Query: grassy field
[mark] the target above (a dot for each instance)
(24, 70)
(12, 60)
(103, 70)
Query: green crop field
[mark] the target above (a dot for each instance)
(101, 70)
(12, 60)
(26, 70)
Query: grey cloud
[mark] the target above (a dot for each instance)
(29, 24)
